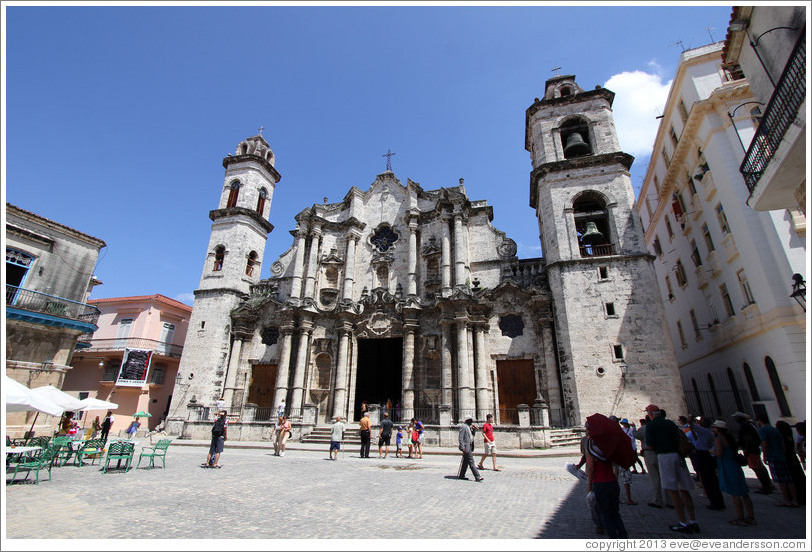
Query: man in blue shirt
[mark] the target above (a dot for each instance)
(704, 463)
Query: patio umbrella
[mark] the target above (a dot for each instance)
(611, 439)
(96, 404)
(59, 397)
(20, 398)
(143, 414)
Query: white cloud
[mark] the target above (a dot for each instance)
(639, 98)
(187, 298)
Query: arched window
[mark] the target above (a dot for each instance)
(219, 255)
(263, 195)
(698, 397)
(575, 138)
(252, 262)
(736, 395)
(233, 194)
(714, 395)
(17, 265)
(566, 91)
(778, 388)
(751, 383)
(592, 224)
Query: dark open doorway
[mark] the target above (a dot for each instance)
(379, 373)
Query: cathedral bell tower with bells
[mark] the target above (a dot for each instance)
(615, 354)
(209, 366)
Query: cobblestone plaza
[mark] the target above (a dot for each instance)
(303, 495)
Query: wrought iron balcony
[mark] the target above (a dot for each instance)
(601, 250)
(781, 111)
(119, 344)
(27, 304)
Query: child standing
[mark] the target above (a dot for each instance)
(399, 443)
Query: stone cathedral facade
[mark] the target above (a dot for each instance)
(411, 296)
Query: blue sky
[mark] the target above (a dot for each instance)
(116, 119)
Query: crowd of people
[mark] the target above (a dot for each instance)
(717, 455)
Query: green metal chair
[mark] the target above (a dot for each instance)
(36, 461)
(92, 448)
(41, 441)
(63, 451)
(119, 450)
(159, 451)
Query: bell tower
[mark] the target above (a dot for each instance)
(232, 264)
(615, 354)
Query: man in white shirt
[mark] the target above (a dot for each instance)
(336, 435)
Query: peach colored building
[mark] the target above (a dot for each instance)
(154, 326)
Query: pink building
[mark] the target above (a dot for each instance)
(132, 359)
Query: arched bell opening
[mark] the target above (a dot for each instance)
(575, 139)
(592, 224)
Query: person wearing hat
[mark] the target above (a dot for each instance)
(629, 429)
(750, 444)
(466, 440)
(662, 436)
(731, 476)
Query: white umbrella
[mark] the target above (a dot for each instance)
(58, 397)
(20, 398)
(96, 404)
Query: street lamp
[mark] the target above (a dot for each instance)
(799, 290)
(623, 368)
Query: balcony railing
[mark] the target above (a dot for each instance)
(789, 94)
(119, 344)
(35, 301)
(601, 250)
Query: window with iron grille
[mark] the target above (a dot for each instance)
(682, 281)
(747, 293)
(720, 215)
(668, 287)
(158, 372)
(695, 254)
(726, 301)
(658, 249)
(695, 324)
(708, 240)
(681, 335)
(669, 229)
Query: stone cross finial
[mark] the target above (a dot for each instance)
(261, 128)
(556, 69)
(388, 156)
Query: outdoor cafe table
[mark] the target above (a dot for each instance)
(20, 450)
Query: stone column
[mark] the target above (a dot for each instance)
(464, 406)
(298, 263)
(312, 262)
(407, 401)
(446, 379)
(283, 368)
(412, 277)
(459, 259)
(482, 388)
(340, 397)
(471, 371)
(551, 372)
(301, 364)
(349, 265)
(231, 377)
(446, 258)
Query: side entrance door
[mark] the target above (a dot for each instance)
(261, 390)
(517, 385)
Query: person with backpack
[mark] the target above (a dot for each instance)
(218, 438)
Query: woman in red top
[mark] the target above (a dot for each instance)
(602, 482)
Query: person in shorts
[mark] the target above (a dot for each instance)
(490, 445)
(662, 436)
(336, 436)
(385, 436)
(399, 443)
(219, 434)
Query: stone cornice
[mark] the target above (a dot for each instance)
(231, 159)
(242, 211)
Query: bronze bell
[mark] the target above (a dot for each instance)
(576, 146)
(591, 235)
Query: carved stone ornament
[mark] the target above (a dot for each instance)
(379, 323)
(507, 249)
(270, 335)
(383, 238)
(277, 268)
(431, 248)
(511, 325)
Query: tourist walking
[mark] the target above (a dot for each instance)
(466, 440)
(490, 445)
(772, 448)
(663, 437)
(106, 425)
(364, 431)
(336, 436)
(750, 444)
(731, 476)
(219, 433)
(385, 435)
(134, 425)
(794, 465)
(602, 482)
(281, 436)
(705, 463)
(280, 409)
